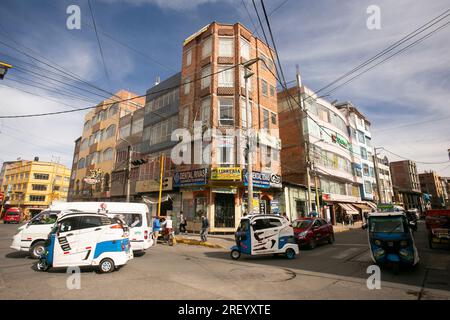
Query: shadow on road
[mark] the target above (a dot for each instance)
(18, 255)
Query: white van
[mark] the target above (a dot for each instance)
(32, 235)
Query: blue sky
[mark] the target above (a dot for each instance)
(325, 37)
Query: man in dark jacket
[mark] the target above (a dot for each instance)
(205, 226)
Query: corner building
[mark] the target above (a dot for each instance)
(213, 93)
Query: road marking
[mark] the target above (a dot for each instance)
(346, 253)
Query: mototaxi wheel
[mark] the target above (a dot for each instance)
(235, 254)
(106, 265)
(42, 265)
(290, 253)
(37, 249)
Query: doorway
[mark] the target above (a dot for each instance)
(224, 210)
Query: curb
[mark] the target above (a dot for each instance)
(193, 242)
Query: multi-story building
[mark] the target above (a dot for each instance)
(362, 149)
(213, 94)
(130, 136)
(97, 147)
(406, 185)
(445, 181)
(430, 183)
(160, 121)
(34, 185)
(76, 153)
(385, 181)
(324, 132)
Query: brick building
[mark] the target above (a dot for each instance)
(406, 184)
(430, 183)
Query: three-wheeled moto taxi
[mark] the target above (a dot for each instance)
(86, 239)
(438, 226)
(391, 240)
(264, 234)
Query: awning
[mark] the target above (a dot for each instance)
(348, 208)
(372, 205)
(363, 207)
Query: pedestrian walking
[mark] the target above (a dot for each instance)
(350, 219)
(183, 223)
(205, 226)
(156, 229)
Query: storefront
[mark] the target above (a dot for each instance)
(341, 209)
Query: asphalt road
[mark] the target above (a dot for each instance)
(335, 271)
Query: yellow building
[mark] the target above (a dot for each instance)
(33, 185)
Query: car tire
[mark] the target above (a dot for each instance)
(396, 268)
(331, 238)
(235, 254)
(312, 244)
(290, 253)
(42, 265)
(37, 249)
(106, 265)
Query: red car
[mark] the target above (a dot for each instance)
(312, 231)
(12, 215)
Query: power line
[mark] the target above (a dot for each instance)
(99, 44)
(405, 158)
(381, 131)
(255, 29)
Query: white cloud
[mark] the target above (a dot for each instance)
(177, 5)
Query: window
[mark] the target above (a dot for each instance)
(226, 76)
(368, 141)
(274, 223)
(188, 58)
(261, 224)
(69, 224)
(264, 88)
(272, 91)
(226, 112)
(124, 131)
(324, 114)
(245, 49)
(265, 119)
(113, 109)
(206, 112)
(187, 86)
(34, 198)
(111, 131)
(81, 163)
(108, 154)
(226, 47)
(186, 117)
(84, 144)
(137, 126)
(102, 115)
(90, 222)
(39, 187)
(273, 117)
(367, 187)
(91, 140)
(225, 150)
(87, 125)
(366, 170)
(249, 83)
(244, 113)
(41, 176)
(360, 136)
(364, 153)
(207, 48)
(206, 77)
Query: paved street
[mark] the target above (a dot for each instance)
(191, 272)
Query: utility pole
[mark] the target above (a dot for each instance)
(161, 174)
(377, 177)
(306, 144)
(129, 173)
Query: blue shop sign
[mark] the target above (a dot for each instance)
(191, 178)
(260, 179)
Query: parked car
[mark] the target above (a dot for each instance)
(312, 231)
(12, 215)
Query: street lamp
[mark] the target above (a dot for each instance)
(248, 74)
(4, 67)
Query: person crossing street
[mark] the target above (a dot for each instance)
(205, 226)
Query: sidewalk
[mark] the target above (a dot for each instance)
(341, 228)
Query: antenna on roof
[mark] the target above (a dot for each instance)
(158, 80)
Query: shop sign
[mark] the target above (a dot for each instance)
(2, 196)
(336, 138)
(260, 179)
(275, 206)
(191, 178)
(225, 190)
(234, 174)
(94, 177)
(275, 181)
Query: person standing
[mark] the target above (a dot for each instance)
(156, 229)
(183, 223)
(205, 226)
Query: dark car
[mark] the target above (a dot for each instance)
(312, 231)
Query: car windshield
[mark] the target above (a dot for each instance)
(301, 224)
(133, 220)
(386, 224)
(45, 217)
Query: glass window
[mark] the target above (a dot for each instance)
(138, 125)
(226, 76)
(186, 117)
(207, 48)
(206, 78)
(364, 153)
(265, 119)
(81, 163)
(226, 47)
(39, 187)
(206, 112)
(273, 117)
(261, 224)
(41, 176)
(225, 148)
(111, 131)
(274, 223)
(245, 49)
(90, 222)
(124, 131)
(272, 91)
(87, 125)
(368, 141)
(69, 224)
(368, 187)
(188, 58)
(187, 86)
(108, 154)
(366, 170)
(226, 112)
(264, 88)
(361, 136)
(113, 109)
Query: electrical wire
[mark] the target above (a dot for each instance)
(420, 162)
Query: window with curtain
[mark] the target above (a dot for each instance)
(206, 78)
(245, 49)
(226, 47)
(207, 47)
(226, 117)
(108, 154)
(226, 76)
(206, 112)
